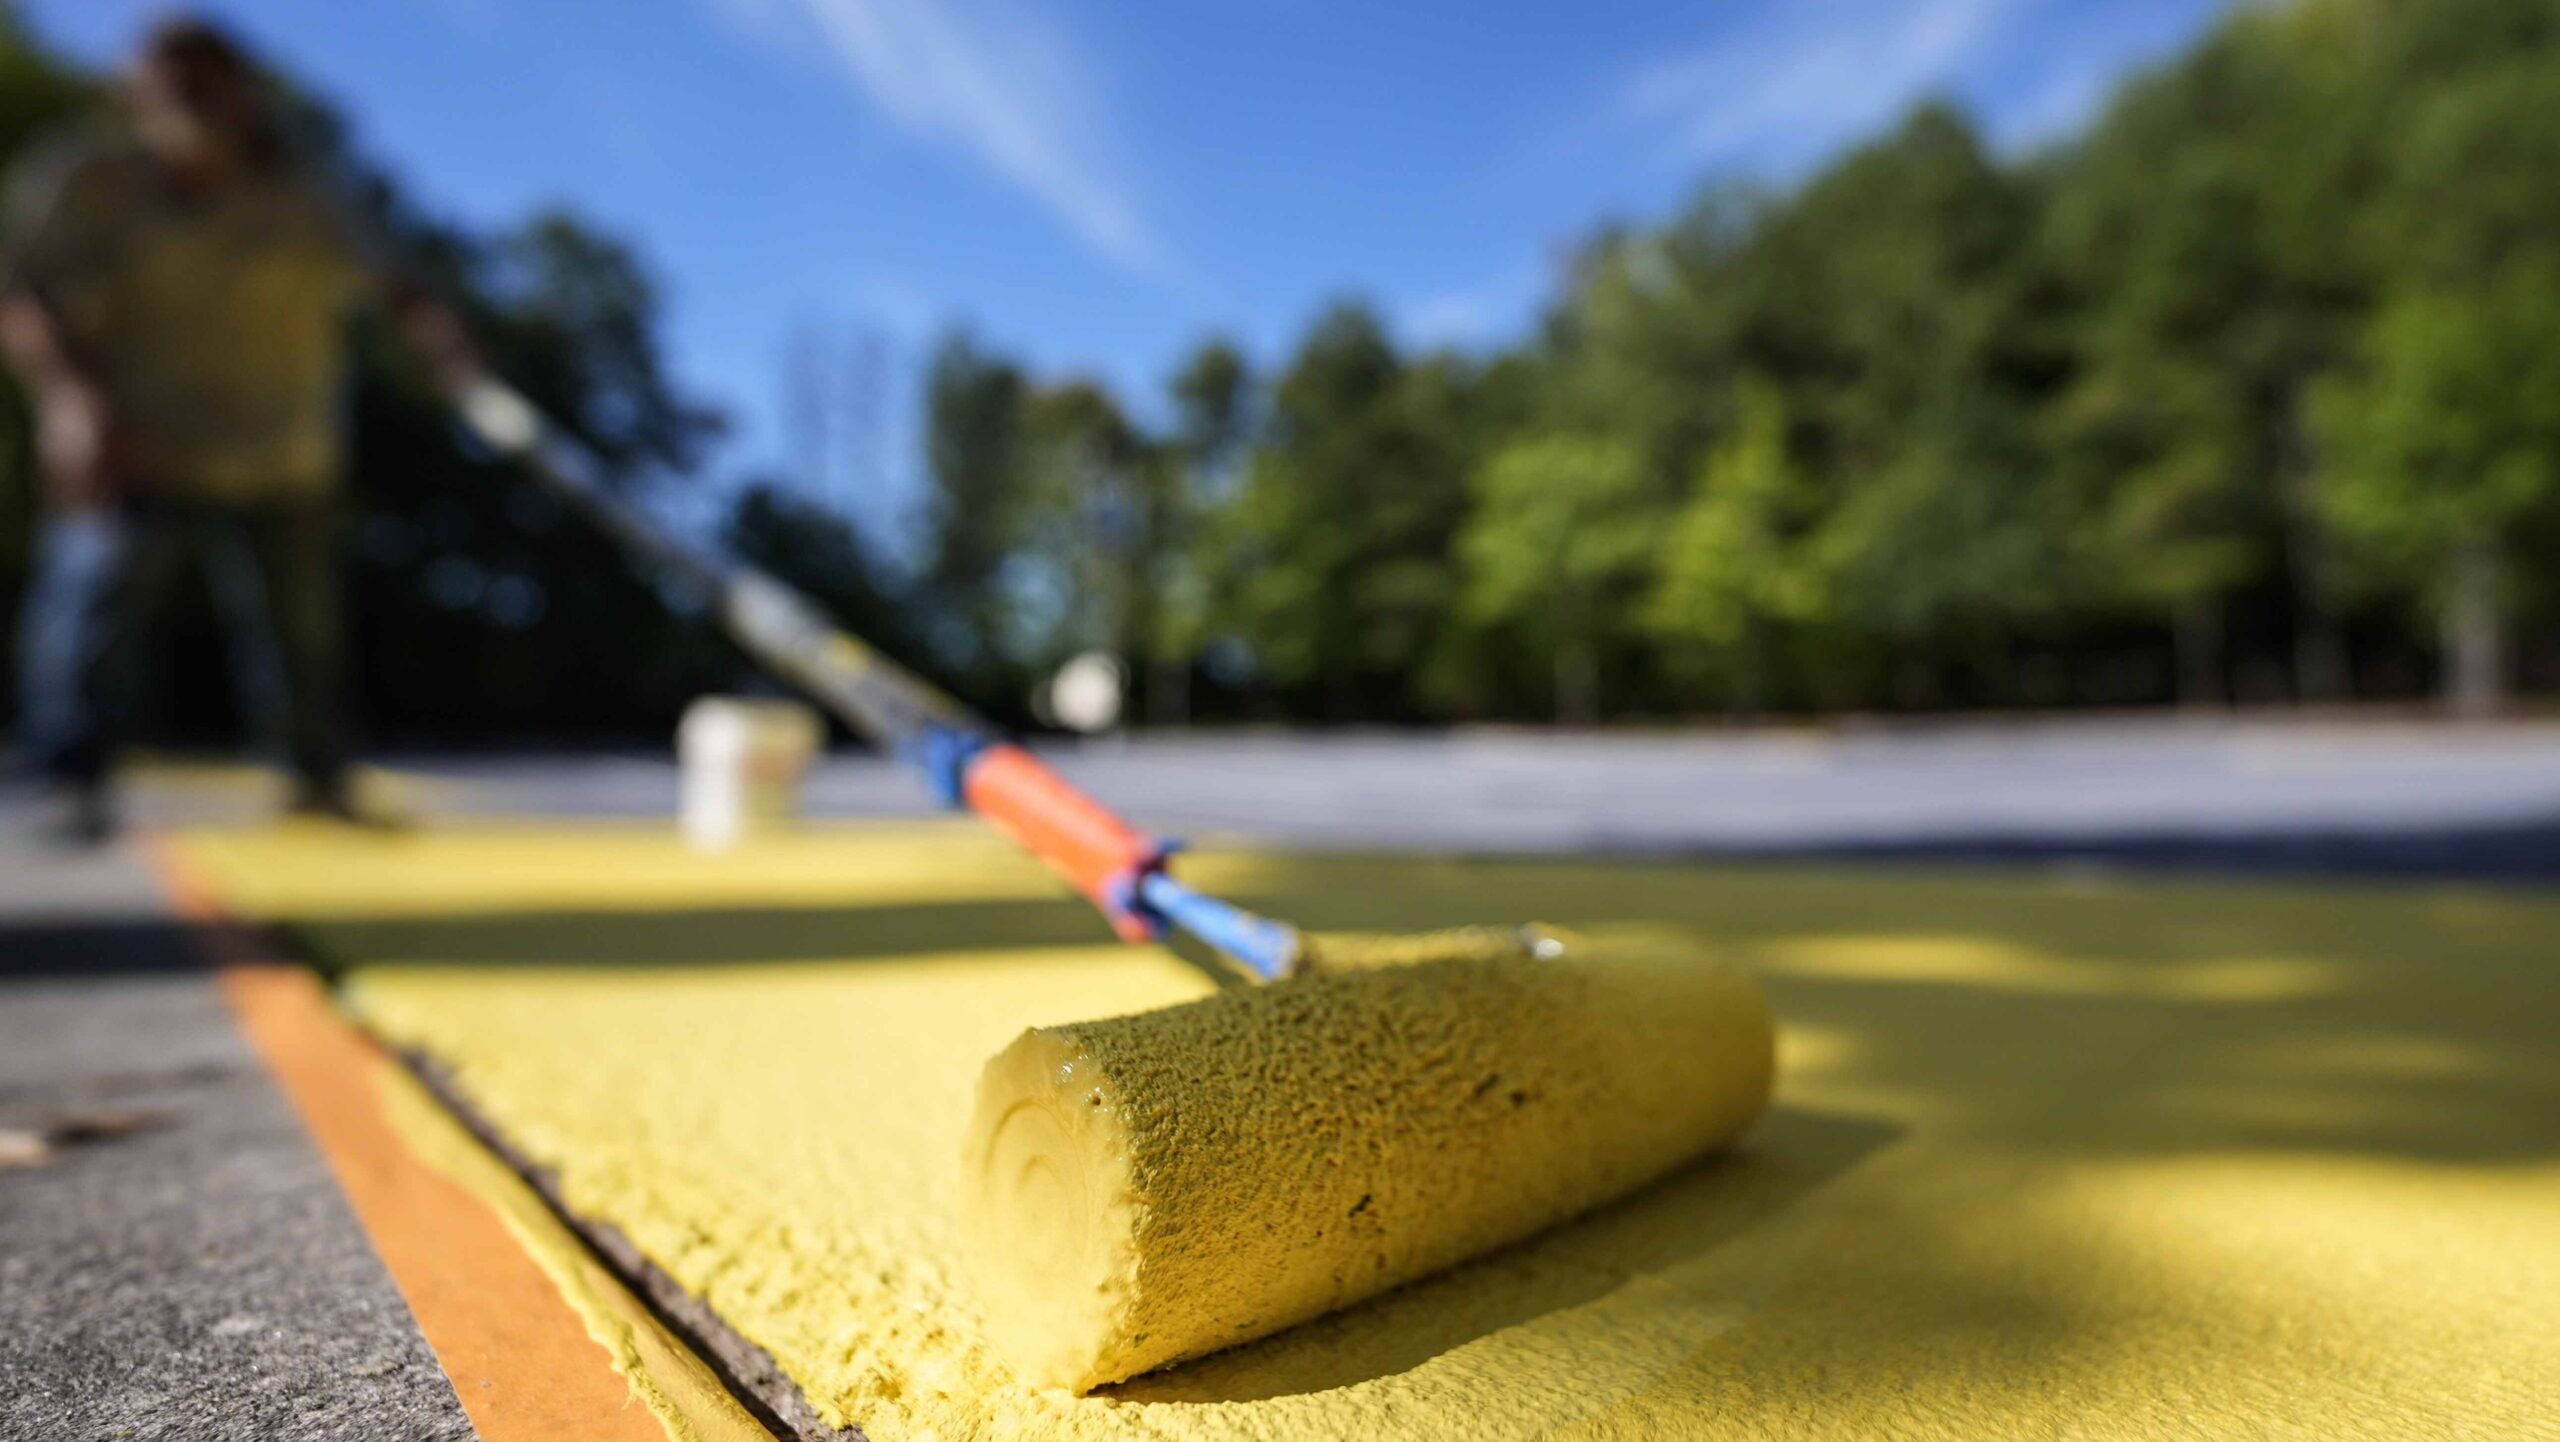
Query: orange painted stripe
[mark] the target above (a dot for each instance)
(518, 1358)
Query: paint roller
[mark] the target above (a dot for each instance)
(1351, 1115)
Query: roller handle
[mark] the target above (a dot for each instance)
(769, 620)
(1119, 868)
(1096, 852)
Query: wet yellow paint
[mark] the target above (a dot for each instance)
(688, 1400)
(2047, 1158)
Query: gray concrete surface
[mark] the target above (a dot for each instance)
(2389, 798)
(201, 1279)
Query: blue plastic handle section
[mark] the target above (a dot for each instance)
(943, 754)
(1266, 948)
(1262, 946)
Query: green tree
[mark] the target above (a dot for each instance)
(1213, 412)
(1949, 546)
(2201, 224)
(1561, 535)
(976, 468)
(2444, 445)
(1933, 420)
(1214, 405)
(2441, 431)
(574, 312)
(1899, 327)
(1096, 523)
(1340, 535)
(1734, 565)
(1652, 324)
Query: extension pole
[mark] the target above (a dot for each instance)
(1120, 869)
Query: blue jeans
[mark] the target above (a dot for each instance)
(102, 579)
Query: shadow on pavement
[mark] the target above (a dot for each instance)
(77, 948)
(2521, 851)
(693, 936)
(1664, 1228)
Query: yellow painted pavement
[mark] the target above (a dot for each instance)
(2049, 1157)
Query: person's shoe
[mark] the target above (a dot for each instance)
(338, 804)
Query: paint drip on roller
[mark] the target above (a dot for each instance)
(1154, 1187)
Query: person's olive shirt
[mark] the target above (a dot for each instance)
(216, 325)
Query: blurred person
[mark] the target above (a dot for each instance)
(174, 298)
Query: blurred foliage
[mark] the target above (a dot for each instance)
(1733, 564)
(2245, 392)
(976, 453)
(482, 607)
(2239, 393)
(1560, 539)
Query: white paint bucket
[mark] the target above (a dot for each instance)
(741, 763)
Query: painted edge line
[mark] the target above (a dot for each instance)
(748, 1371)
(520, 1359)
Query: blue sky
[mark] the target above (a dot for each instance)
(1096, 186)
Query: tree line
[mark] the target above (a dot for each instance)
(2248, 392)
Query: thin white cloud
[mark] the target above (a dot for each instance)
(1807, 76)
(1474, 315)
(996, 80)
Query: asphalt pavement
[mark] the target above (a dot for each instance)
(2369, 798)
(192, 1273)
(200, 1277)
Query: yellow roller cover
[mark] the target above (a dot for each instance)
(1154, 1187)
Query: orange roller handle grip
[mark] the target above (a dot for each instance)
(1096, 852)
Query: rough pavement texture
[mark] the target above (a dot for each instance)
(2051, 1155)
(202, 1279)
